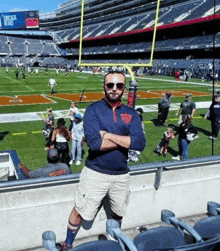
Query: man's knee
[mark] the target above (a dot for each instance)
(75, 217)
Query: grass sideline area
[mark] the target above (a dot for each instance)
(30, 145)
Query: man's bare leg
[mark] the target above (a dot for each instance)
(75, 220)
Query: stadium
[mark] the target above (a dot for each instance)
(77, 44)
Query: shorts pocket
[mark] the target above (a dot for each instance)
(80, 199)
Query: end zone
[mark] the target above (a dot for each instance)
(25, 100)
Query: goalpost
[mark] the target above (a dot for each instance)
(127, 65)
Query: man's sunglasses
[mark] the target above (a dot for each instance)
(119, 86)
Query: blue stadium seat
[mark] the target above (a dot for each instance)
(209, 227)
(156, 238)
(99, 246)
(172, 239)
(208, 245)
(121, 243)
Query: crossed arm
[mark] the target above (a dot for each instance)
(113, 141)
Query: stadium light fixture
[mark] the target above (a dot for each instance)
(127, 65)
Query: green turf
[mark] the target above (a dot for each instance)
(30, 146)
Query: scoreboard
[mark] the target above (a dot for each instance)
(19, 20)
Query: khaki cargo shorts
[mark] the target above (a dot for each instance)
(94, 186)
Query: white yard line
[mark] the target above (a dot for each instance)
(33, 116)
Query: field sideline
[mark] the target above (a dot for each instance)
(30, 146)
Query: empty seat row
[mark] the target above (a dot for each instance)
(205, 233)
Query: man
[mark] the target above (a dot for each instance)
(187, 108)
(52, 83)
(214, 116)
(46, 71)
(53, 168)
(140, 114)
(66, 72)
(23, 75)
(111, 129)
(29, 71)
(57, 71)
(36, 71)
(163, 108)
(16, 74)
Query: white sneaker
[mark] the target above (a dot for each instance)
(78, 162)
(211, 137)
(176, 158)
(71, 162)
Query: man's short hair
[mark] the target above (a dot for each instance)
(114, 72)
(53, 155)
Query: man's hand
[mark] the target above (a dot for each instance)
(102, 133)
(21, 166)
(24, 170)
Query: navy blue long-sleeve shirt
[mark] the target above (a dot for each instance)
(123, 121)
(215, 111)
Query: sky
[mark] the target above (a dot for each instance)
(42, 5)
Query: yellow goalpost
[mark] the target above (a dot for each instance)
(127, 65)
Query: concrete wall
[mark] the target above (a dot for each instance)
(26, 211)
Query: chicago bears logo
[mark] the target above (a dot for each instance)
(126, 118)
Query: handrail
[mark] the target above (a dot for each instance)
(133, 169)
(177, 163)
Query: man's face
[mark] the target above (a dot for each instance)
(114, 87)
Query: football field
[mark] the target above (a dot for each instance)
(32, 94)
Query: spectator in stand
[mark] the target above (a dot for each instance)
(53, 168)
(77, 136)
(187, 108)
(60, 138)
(163, 108)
